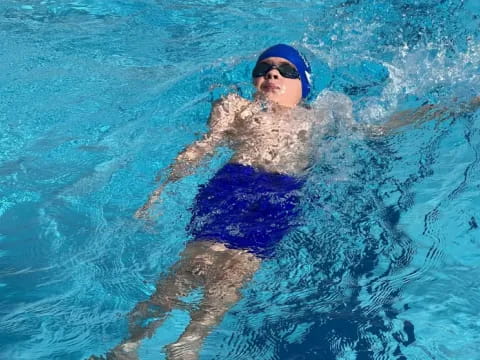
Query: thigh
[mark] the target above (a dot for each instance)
(186, 274)
(233, 268)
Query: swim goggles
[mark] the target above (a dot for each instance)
(285, 69)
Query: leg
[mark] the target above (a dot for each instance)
(226, 276)
(187, 274)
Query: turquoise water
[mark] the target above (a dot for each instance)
(97, 96)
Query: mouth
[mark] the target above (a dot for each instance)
(270, 87)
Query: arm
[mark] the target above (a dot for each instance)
(423, 114)
(183, 165)
(220, 119)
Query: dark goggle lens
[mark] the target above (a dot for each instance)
(286, 70)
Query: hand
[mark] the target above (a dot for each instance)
(143, 212)
(475, 102)
(148, 219)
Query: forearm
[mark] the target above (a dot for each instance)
(189, 159)
(407, 117)
(425, 113)
(152, 198)
(183, 165)
(415, 116)
(471, 106)
(431, 112)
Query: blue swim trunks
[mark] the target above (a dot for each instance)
(246, 209)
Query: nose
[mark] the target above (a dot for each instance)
(272, 74)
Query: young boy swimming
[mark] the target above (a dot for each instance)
(245, 209)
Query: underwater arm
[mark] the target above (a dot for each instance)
(189, 159)
(423, 114)
(183, 165)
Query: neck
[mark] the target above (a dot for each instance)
(279, 108)
(273, 105)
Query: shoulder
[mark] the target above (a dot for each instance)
(225, 108)
(334, 106)
(333, 100)
(231, 100)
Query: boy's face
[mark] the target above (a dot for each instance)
(277, 88)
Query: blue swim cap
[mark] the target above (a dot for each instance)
(291, 54)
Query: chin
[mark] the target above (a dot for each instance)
(273, 97)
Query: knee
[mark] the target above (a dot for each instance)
(149, 309)
(161, 302)
(220, 296)
(207, 319)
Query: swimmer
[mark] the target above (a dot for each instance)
(246, 208)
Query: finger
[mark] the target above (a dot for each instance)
(140, 213)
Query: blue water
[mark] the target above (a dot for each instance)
(97, 96)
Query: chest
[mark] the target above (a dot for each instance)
(266, 124)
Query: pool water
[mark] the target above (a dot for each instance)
(98, 96)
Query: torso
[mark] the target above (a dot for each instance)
(272, 140)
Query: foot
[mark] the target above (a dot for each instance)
(125, 351)
(186, 349)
